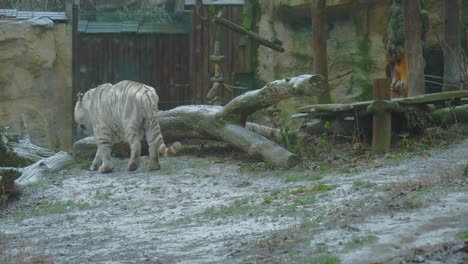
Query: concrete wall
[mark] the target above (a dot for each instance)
(35, 80)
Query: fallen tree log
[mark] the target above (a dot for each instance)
(16, 152)
(35, 171)
(451, 114)
(227, 123)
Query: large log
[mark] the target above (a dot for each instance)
(35, 171)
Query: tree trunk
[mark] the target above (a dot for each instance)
(227, 123)
(319, 45)
(452, 45)
(413, 45)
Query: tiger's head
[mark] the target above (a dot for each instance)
(82, 116)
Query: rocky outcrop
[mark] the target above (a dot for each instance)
(356, 51)
(35, 80)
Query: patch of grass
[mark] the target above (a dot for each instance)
(41, 183)
(256, 166)
(200, 164)
(303, 177)
(102, 195)
(316, 189)
(244, 184)
(239, 207)
(70, 218)
(462, 235)
(358, 242)
(153, 190)
(323, 259)
(363, 184)
(49, 208)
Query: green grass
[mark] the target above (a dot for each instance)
(200, 164)
(239, 207)
(102, 195)
(358, 242)
(49, 208)
(462, 235)
(304, 177)
(363, 184)
(323, 259)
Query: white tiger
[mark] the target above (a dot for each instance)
(126, 111)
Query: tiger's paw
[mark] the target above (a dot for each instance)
(105, 169)
(153, 166)
(132, 166)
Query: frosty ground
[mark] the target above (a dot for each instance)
(218, 207)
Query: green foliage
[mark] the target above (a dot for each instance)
(357, 242)
(289, 136)
(324, 259)
(462, 235)
(362, 67)
(396, 26)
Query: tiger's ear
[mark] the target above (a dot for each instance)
(80, 96)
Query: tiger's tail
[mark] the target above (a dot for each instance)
(156, 130)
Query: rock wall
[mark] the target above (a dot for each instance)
(356, 52)
(35, 80)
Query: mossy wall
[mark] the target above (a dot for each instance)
(355, 46)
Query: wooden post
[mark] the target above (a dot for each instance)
(382, 123)
(319, 45)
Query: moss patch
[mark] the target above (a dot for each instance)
(361, 82)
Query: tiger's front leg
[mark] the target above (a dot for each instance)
(105, 152)
(96, 162)
(104, 144)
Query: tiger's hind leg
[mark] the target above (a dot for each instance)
(152, 136)
(135, 152)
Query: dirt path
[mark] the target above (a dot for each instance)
(211, 210)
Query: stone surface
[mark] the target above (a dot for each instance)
(355, 47)
(35, 80)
